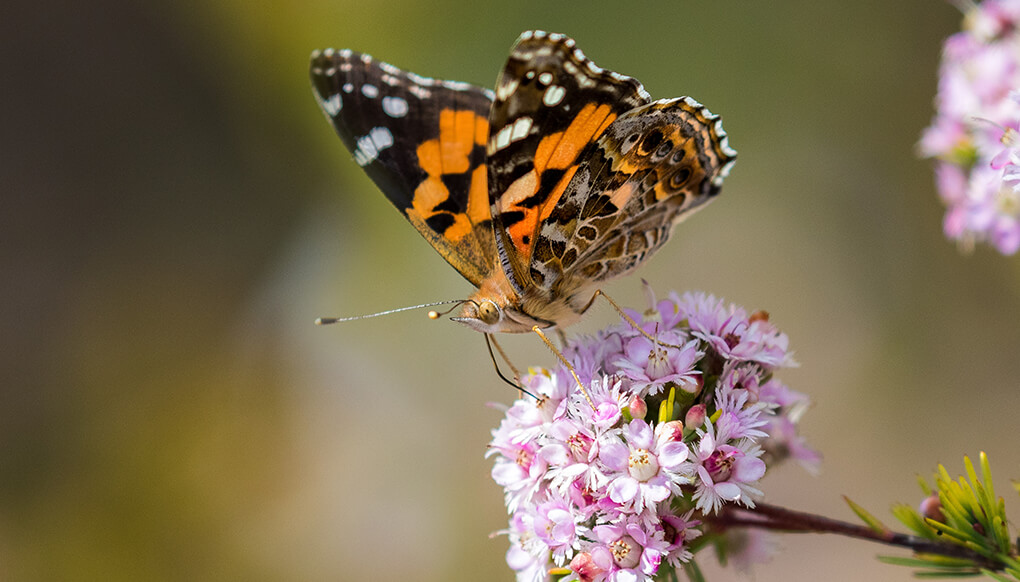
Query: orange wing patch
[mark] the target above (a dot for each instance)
(459, 133)
(559, 152)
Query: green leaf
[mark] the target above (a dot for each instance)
(693, 572)
(909, 517)
(954, 535)
(923, 483)
(866, 517)
(986, 473)
(997, 576)
(924, 563)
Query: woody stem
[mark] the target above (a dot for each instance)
(772, 517)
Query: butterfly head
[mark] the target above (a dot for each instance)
(489, 316)
(484, 316)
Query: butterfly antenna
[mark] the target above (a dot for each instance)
(331, 320)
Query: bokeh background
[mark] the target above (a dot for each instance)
(176, 212)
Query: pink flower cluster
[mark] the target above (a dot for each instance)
(678, 426)
(974, 136)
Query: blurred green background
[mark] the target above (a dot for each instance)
(176, 212)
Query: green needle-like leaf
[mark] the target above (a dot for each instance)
(866, 517)
(997, 576)
(926, 563)
(693, 572)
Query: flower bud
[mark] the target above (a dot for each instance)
(585, 567)
(931, 507)
(638, 408)
(696, 386)
(670, 431)
(695, 416)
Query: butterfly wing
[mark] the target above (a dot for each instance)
(550, 103)
(651, 168)
(422, 141)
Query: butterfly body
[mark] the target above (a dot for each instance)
(566, 176)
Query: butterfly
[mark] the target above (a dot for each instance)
(563, 177)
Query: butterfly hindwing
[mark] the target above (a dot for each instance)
(551, 103)
(651, 168)
(422, 141)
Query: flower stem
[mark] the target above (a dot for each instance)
(777, 518)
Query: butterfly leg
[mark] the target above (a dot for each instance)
(566, 363)
(490, 341)
(628, 318)
(516, 382)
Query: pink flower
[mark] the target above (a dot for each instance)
(677, 532)
(647, 471)
(555, 525)
(726, 472)
(610, 494)
(650, 366)
(975, 135)
(628, 551)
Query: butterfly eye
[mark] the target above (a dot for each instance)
(677, 180)
(489, 312)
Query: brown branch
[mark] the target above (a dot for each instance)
(772, 517)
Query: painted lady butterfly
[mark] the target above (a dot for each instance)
(566, 176)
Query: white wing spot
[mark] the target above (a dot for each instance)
(456, 85)
(520, 129)
(420, 80)
(333, 105)
(553, 95)
(545, 78)
(370, 145)
(370, 91)
(390, 80)
(503, 138)
(419, 91)
(348, 87)
(328, 53)
(345, 53)
(529, 75)
(394, 106)
(507, 89)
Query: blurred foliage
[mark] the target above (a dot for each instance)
(177, 212)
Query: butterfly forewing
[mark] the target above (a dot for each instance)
(422, 141)
(551, 103)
